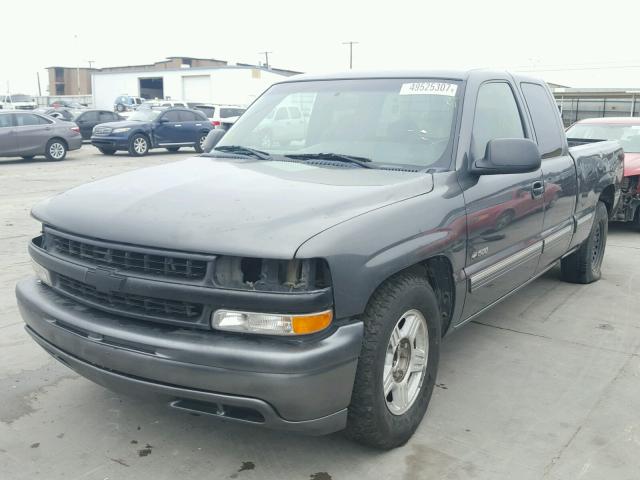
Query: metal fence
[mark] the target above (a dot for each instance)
(46, 100)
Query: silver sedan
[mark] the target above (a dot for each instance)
(27, 134)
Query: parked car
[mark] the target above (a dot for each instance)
(126, 103)
(146, 129)
(28, 134)
(17, 102)
(221, 116)
(282, 126)
(71, 104)
(87, 119)
(161, 104)
(60, 112)
(308, 287)
(626, 130)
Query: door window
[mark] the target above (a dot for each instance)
(173, 116)
(89, 117)
(186, 116)
(497, 116)
(107, 117)
(5, 121)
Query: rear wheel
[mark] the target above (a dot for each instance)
(200, 143)
(585, 264)
(398, 363)
(107, 151)
(120, 107)
(173, 149)
(138, 145)
(55, 150)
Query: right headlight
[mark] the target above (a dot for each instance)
(271, 323)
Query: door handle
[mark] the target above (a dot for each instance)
(537, 189)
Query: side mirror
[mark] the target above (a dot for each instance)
(508, 155)
(163, 120)
(214, 136)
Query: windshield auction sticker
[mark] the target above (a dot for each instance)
(429, 88)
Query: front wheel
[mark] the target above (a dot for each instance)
(138, 145)
(55, 150)
(585, 264)
(398, 362)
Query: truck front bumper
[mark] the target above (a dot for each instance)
(291, 384)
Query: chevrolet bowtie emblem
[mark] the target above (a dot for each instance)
(104, 279)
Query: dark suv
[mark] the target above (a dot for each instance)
(146, 129)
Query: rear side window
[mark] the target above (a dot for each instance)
(232, 112)
(106, 117)
(208, 111)
(186, 116)
(545, 119)
(497, 116)
(5, 121)
(27, 119)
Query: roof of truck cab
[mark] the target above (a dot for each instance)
(445, 74)
(612, 120)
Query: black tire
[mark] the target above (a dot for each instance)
(120, 107)
(173, 149)
(369, 420)
(107, 151)
(28, 157)
(585, 264)
(636, 220)
(139, 145)
(55, 150)
(198, 145)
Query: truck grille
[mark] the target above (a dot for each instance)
(127, 304)
(123, 259)
(101, 130)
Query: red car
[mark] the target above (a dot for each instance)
(627, 131)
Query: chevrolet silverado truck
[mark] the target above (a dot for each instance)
(625, 130)
(307, 286)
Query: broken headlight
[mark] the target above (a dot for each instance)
(267, 275)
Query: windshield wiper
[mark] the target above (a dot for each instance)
(247, 151)
(333, 157)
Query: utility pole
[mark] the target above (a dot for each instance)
(351, 44)
(91, 62)
(266, 58)
(39, 89)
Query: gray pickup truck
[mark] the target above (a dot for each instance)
(304, 281)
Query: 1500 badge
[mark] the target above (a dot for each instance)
(479, 253)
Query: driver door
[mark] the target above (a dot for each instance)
(505, 211)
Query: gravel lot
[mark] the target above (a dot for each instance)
(544, 386)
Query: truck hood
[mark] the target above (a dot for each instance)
(631, 164)
(234, 207)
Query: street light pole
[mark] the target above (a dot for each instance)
(351, 44)
(266, 58)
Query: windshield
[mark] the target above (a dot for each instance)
(21, 98)
(627, 135)
(144, 115)
(389, 121)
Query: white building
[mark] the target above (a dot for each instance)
(226, 84)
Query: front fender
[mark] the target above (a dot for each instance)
(366, 250)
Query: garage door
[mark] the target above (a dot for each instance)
(196, 88)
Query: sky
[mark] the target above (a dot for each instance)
(573, 43)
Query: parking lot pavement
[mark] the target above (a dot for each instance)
(546, 386)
